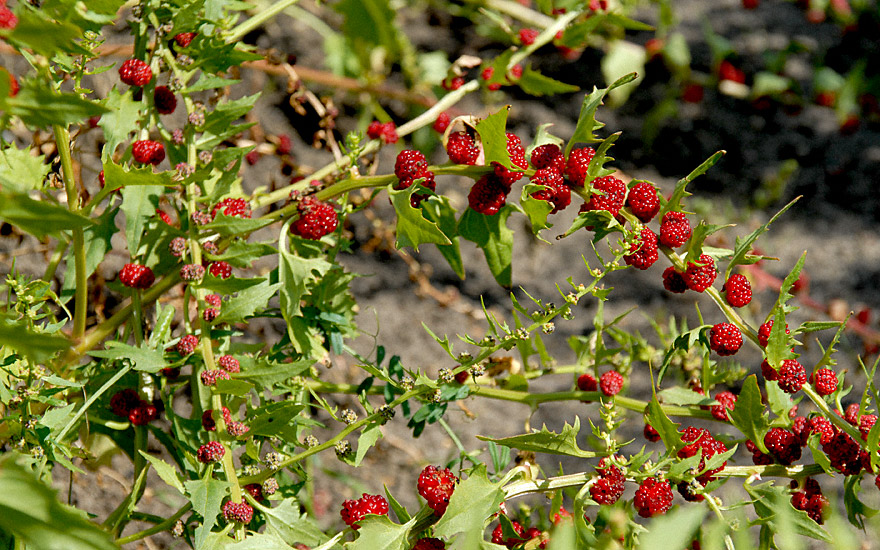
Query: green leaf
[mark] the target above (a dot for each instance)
(274, 419)
(39, 106)
(233, 387)
(38, 218)
(209, 82)
(286, 521)
(296, 274)
(535, 209)
(474, 499)
(380, 533)
(546, 441)
(683, 396)
(259, 541)
(139, 204)
(229, 285)
(493, 135)
(674, 202)
(587, 123)
(744, 246)
(369, 24)
(206, 496)
(674, 530)
(118, 123)
(229, 226)
(492, 235)
(247, 303)
(369, 436)
(241, 253)
(413, 228)
(778, 401)
(20, 171)
(146, 360)
(778, 345)
(534, 83)
(623, 57)
(36, 31)
(30, 511)
(166, 471)
(698, 237)
(677, 53)
(438, 210)
(39, 347)
(748, 416)
(668, 430)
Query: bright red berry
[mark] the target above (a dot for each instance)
(210, 377)
(608, 193)
(851, 414)
(577, 165)
(528, 36)
(557, 193)
(136, 276)
(442, 123)
(143, 414)
(653, 497)
(316, 219)
(436, 486)
(13, 82)
(726, 402)
(387, 131)
(453, 83)
(700, 440)
(611, 382)
(238, 512)
(821, 426)
(737, 290)
(498, 535)
(183, 39)
(643, 201)
(783, 445)
(409, 164)
(650, 433)
(675, 229)
(728, 71)
(211, 451)
(587, 382)
(517, 159)
(764, 332)
(8, 20)
(228, 363)
(700, 277)
(462, 149)
(164, 100)
(792, 376)
(609, 487)
(163, 216)
(725, 339)
(232, 207)
(643, 252)
(135, 72)
(488, 195)
(825, 381)
(548, 156)
(221, 269)
(354, 510)
(187, 344)
(147, 151)
(214, 300)
(673, 281)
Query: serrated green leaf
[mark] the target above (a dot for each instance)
(778, 346)
(286, 521)
(247, 303)
(139, 204)
(229, 226)
(536, 210)
(37, 346)
(146, 360)
(241, 253)
(380, 533)
(369, 436)
(748, 415)
(296, 274)
(534, 83)
(209, 82)
(206, 496)
(473, 500)
(20, 171)
(36, 31)
(819, 456)
(493, 135)
(413, 229)
(546, 441)
(780, 403)
(118, 123)
(39, 106)
(678, 395)
(744, 246)
(698, 237)
(233, 387)
(229, 285)
(587, 123)
(438, 210)
(492, 235)
(166, 471)
(39, 218)
(667, 429)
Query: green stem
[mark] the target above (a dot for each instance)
(518, 11)
(164, 526)
(137, 319)
(57, 255)
(107, 385)
(255, 21)
(710, 500)
(81, 297)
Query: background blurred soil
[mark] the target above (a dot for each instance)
(835, 221)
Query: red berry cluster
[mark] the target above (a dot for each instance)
(643, 252)
(135, 72)
(700, 440)
(611, 382)
(208, 419)
(410, 166)
(462, 148)
(211, 452)
(387, 131)
(147, 151)
(210, 377)
(737, 290)
(784, 445)
(609, 487)
(809, 498)
(221, 270)
(436, 486)
(136, 276)
(725, 339)
(653, 497)
(726, 402)
(675, 229)
(354, 510)
(187, 344)
(764, 332)
(237, 512)
(316, 219)
(238, 208)
(228, 363)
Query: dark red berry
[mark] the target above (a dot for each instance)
(650, 433)
(123, 402)
(488, 195)
(429, 544)
(792, 376)
(866, 422)
(675, 229)
(316, 219)
(556, 192)
(783, 445)
(643, 201)
(608, 193)
(673, 281)
(517, 160)
(700, 276)
(164, 100)
(643, 252)
(147, 151)
(228, 363)
(844, 454)
(737, 290)
(136, 276)
(187, 344)
(442, 123)
(653, 497)
(210, 377)
(577, 165)
(586, 382)
(143, 414)
(436, 486)
(611, 382)
(354, 510)
(221, 269)
(725, 339)
(212, 451)
(237, 512)
(726, 402)
(700, 440)
(462, 149)
(821, 426)
(238, 208)
(208, 422)
(825, 381)
(609, 487)
(135, 72)
(498, 535)
(851, 414)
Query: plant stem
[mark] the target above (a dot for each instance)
(164, 526)
(255, 21)
(710, 500)
(107, 385)
(57, 255)
(81, 297)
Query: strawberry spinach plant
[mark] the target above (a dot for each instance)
(158, 363)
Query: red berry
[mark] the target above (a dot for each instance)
(517, 159)
(825, 381)
(673, 281)
(452, 84)
(409, 164)
(316, 219)
(821, 426)
(255, 490)
(183, 39)
(214, 300)
(232, 207)
(728, 71)
(557, 193)
(228, 363)
(212, 451)
(653, 497)
(577, 165)
(187, 344)
(843, 453)
(136, 276)
(164, 100)
(783, 445)
(462, 149)
(164, 217)
(675, 229)
(208, 422)
(123, 402)
(726, 402)
(650, 433)
(548, 156)
(738, 290)
(764, 332)
(750, 4)
(238, 512)
(436, 486)
(147, 151)
(210, 377)
(851, 414)
(692, 93)
(701, 441)
(768, 372)
(135, 72)
(442, 123)
(611, 382)
(221, 269)
(488, 195)
(387, 131)
(13, 82)
(792, 376)
(236, 429)
(354, 510)
(610, 485)
(8, 20)
(252, 157)
(643, 202)
(192, 272)
(725, 339)
(700, 277)
(608, 193)
(528, 36)
(498, 535)
(429, 544)
(143, 414)
(586, 382)
(866, 422)
(642, 253)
